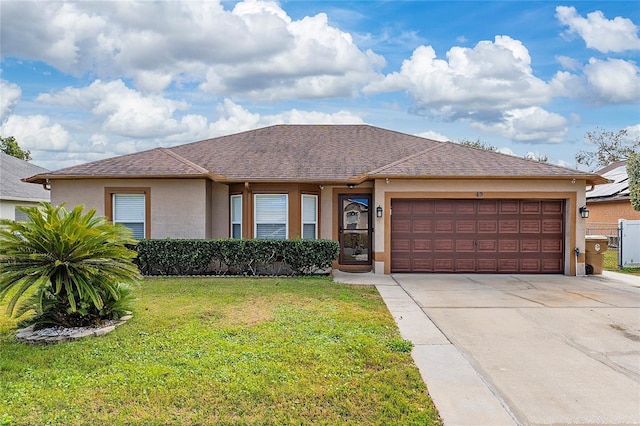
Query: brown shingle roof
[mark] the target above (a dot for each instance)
(315, 153)
(158, 162)
(302, 152)
(453, 160)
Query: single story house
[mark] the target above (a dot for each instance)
(395, 202)
(609, 202)
(14, 192)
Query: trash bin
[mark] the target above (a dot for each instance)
(595, 246)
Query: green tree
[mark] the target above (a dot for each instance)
(610, 147)
(478, 144)
(73, 269)
(488, 147)
(10, 146)
(633, 171)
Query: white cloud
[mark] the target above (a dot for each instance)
(319, 61)
(430, 134)
(532, 125)
(490, 77)
(235, 118)
(121, 110)
(563, 163)
(633, 132)
(506, 150)
(491, 85)
(598, 32)
(613, 81)
(122, 120)
(9, 96)
(568, 63)
(610, 81)
(36, 132)
(255, 50)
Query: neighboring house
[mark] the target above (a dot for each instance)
(444, 207)
(13, 191)
(609, 202)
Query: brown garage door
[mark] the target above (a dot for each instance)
(487, 236)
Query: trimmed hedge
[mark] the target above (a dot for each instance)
(235, 257)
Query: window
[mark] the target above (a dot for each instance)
(271, 211)
(309, 216)
(129, 210)
(236, 216)
(20, 216)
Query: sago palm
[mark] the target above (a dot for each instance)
(68, 265)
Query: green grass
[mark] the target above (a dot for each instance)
(224, 351)
(611, 263)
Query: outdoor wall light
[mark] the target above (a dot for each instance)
(378, 211)
(350, 186)
(584, 212)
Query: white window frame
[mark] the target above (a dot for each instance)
(302, 216)
(142, 221)
(232, 211)
(257, 221)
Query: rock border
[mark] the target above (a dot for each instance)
(54, 335)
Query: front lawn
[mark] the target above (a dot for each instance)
(611, 263)
(224, 351)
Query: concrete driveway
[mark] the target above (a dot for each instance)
(521, 349)
(524, 349)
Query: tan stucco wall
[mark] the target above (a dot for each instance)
(219, 200)
(178, 206)
(200, 209)
(610, 212)
(571, 191)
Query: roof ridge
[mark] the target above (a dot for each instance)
(183, 160)
(189, 163)
(440, 144)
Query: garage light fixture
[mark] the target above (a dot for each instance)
(378, 211)
(584, 212)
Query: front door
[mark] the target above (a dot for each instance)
(355, 229)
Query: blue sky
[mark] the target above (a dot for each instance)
(81, 81)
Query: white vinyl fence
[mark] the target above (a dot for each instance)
(629, 247)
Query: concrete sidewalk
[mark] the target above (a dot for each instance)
(521, 349)
(460, 394)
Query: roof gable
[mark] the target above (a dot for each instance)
(158, 162)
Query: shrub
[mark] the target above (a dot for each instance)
(235, 257)
(72, 269)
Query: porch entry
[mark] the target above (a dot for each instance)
(354, 229)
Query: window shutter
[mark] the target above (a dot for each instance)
(271, 231)
(309, 216)
(128, 207)
(271, 208)
(129, 210)
(236, 216)
(236, 208)
(271, 212)
(309, 208)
